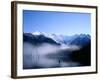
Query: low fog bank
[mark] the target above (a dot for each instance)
(48, 56)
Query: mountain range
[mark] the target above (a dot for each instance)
(41, 37)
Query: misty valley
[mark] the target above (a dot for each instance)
(42, 50)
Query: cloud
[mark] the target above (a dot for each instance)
(36, 55)
(70, 47)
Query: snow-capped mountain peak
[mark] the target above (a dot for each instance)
(36, 33)
(49, 35)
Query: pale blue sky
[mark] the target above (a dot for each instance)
(66, 23)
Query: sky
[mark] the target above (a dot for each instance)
(65, 23)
